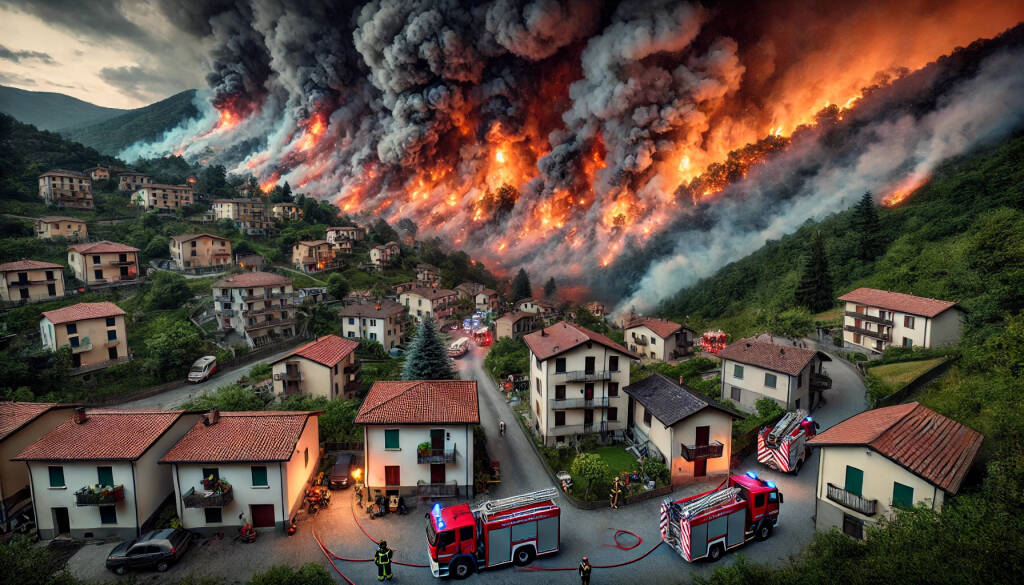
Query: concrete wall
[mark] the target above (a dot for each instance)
(36, 292)
(85, 520)
(946, 328)
(14, 474)
(685, 432)
(63, 228)
(54, 336)
(300, 468)
(409, 437)
(153, 481)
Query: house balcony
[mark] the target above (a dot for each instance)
(868, 333)
(269, 324)
(851, 500)
(561, 430)
(89, 496)
(820, 381)
(207, 499)
(291, 376)
(226, 299)
(263, 311)
(255, 296)
(226, 312)
(83, 346)
(870, 318)
(436, 456)
(695, 452)
(639, 341)
(566, 403)
(354, 368)
(130, 262)
(32, 282)
(585, 376)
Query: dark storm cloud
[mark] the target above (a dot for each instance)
(139, 82)
(96, 20)
(19, 56)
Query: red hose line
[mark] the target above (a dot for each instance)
(621, 546)
(354, 517)
(374, 540)
(331, 561)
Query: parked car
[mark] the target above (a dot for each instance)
(158, 550)
(202, 369)
(341, 473)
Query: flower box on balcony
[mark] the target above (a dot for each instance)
(97, 495)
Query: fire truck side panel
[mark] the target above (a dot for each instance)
(499, 546)
(698, 540)
(547, 535)
(718, 528)
(737, 528)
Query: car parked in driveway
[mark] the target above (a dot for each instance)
(341, 473)
(158, 550)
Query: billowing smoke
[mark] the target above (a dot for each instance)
(581, 138)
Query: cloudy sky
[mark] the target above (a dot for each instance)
(114, 53)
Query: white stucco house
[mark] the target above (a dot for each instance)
(658, 339)
(878, 319)
(325, 367)
(791, 376)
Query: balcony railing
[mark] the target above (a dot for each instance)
(436, 456)
(291, 376)
(585, 376)
(263, 311)
(560, 430)
(207, 499)
(596, 402)
(271, 323)
(868, 333)
(354, 368)
(84, 345)
(695, 452)
(31, 282)
(226, 299)
(88, 496)
(870, 318)
(226, 312)
(851, 500)
(639, 341)
(127, 262)
(820, 381)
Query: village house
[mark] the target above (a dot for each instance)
(878, 319)
(325, 367)
(102, 263)
(486, 300)
(791, 376)
(386, 255)
(515, 325)
(159, 197)
(200, 251)
(56, 226)
(247, 215)
(543, 309)
(285, 212)
(63, 188)
(255, 305)
(596, 309)
(131, 181)
(468, 290)
(311, 294)
(876, 462)
(436, 302)
(690, 432)
(418, 437)
(350, 233)
(659, 339)
(575, 378)
(427, 275)
(250, 261)
(94, 331)
(31, 281)
(96, 475)
(21, 424)
(98, 173)
(383, 321)
(231, 468)
(343, 247)
(312, 255)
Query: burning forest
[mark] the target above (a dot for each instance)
(633, 147)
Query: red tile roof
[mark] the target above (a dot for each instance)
(901, 302)
(780, 358)
(380, 309)
(563, 336)
(83, 311)
(264, 435)
(431, 293)
(101, 247)
(247, 279)
(311, 243)
(924, 442)
(660, 327)
(327, 350)
(62, 172)
(24, 264)
(106, 435)
(420, 402)
(188, 237)
(14, 415)
(513, 317)
(58, 218)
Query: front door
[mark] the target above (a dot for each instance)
(700, 466)
(61, 521)
(437, 440)
(588, 417)
(262, 515)
(437, 473)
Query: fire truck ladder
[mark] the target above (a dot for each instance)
(786, 424)
(496, 506)
(694, 507)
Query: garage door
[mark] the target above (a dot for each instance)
(263, 515)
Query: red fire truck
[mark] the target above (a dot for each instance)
(513, 530)
(781, 446)
(708, 524)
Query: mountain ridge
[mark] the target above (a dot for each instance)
(50, 110)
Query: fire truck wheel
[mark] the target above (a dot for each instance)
(460, 568)
(523, 556)
(764, 530)
(715, 553)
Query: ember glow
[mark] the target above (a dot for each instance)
(904, 190)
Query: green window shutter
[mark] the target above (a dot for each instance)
(56, 476)
(737, 372)
(391, 439)
(106, 475)
(854, 480)
(259, 476)
(902, 495)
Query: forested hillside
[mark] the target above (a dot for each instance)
(112, 135)
(51, 111)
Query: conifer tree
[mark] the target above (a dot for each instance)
(427, 358)
(521, 288)
(815, 288)
(550, 287)
(868, 229)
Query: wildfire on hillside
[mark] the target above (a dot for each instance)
(904, 189)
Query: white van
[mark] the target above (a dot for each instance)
(202, 369)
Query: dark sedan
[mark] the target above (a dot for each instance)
(154, 550)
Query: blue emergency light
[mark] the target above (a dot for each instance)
(809, 419)
(751, 475)
(436, 512)
(770, 484)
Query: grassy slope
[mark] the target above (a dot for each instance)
(895, 376)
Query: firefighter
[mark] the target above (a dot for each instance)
(585, 571)
(565, 486)
(383, 561)
(613, 496)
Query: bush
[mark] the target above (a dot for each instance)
(655, 470)
(508, 356)
(260, 371)
(589, 469)
(308, 574)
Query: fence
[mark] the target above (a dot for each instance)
(914, 386)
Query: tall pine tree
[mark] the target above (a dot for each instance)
(815, 288)
(867, 228)
(550, 287)
(521, 288)
(427, 358)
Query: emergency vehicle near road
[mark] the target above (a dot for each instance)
(513, 530)
(781, 446)
(709, 524)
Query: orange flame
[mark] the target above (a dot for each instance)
(905, 189)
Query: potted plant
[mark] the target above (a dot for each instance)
(423, 448)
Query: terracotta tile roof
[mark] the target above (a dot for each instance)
(378, 310)
(780, 358)
(901, 302)
(25, 264)
(669, 402)
(81, 311)
(101, 247)
(420, 402)
(660, 327)
(932, 446)
(59, 218)
(62, 172)
(189, 237)
(539, 302)
(14, 415)
(327, 350)
(106, 435)
(431, 293)
(264, 435)
(312, 243)
(563, 336)
(488, 291)
(513, 317)
(247, 279)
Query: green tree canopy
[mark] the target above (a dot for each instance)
(168, 290)
(869, 230)
(588, 468)
(815, 288)
(337, 286)
(521, 288)
(427, 358)
(175, 345)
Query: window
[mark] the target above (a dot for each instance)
(647, 417)
(112, 353)
(613, 363)
(613, 389)
(902, 495)
(537, 380)
(391, 439)
(613, 413)
(105, 475)
(211, 473)
(559, 365)
(111, 321)
(797, 404)
(589, 364)
(560, 392)
(735, 393)
(112, 335)
(259, 476)
(854, 480)
(560, 418)
(465, 534)
(758, 500)
(908, 342)
(351, 321)
(108, 515)
(853, 527)
(908, 321)
(306, 455)
(770, 380)
(72, 328)
(214, 515)
(737, 372)
(95, 260)
(57, 476)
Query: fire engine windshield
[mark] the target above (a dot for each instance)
(431, 534)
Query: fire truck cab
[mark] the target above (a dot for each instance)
(514, 530)
(782, 446)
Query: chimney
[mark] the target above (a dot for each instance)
(80, 417)
(212, 417)
(543, 333)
